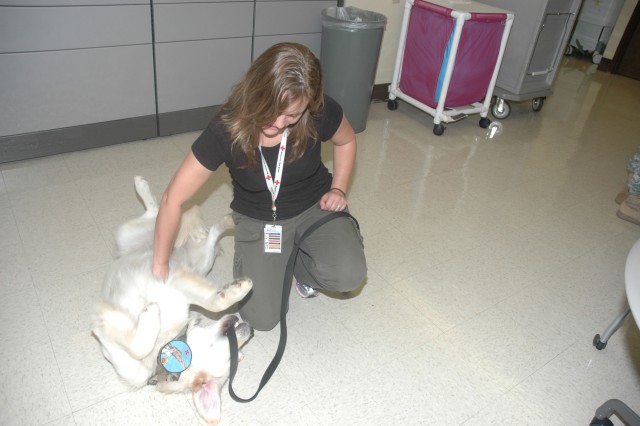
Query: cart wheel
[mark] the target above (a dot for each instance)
(569, 50)
(484, 122)
(392, 104)
(501, 109)
(599, 344)
(596, 58)
(536, 104)
(438, 129)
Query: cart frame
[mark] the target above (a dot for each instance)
(442, 113)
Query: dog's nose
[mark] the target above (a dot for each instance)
(229, 321)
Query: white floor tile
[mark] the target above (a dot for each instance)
(32, 391)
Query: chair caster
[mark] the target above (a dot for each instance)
(599, 344)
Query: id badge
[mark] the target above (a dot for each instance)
(273, 239)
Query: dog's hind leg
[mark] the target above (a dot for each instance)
(150, 202)
(201, 292)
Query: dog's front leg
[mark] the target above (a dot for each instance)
(113, 326)
(143, 339)
(202, 292)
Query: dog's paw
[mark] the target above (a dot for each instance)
(227, 220)
(222, 226)
(141, 184)
(235, 290)
(152, 308)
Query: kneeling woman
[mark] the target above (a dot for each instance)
(268, 133)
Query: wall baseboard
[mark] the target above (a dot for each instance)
(96, 135)
(380, 92)
(171, 123)
(605, 65)
(76, 138)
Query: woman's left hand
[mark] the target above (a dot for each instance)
(334, 201)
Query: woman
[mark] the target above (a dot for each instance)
(268, 134)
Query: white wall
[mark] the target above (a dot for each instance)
(618, 30)
(393, 11)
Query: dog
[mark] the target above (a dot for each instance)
(139, 318)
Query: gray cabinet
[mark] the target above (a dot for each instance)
(78, 74)
(201, 50)
(540, 33)
(289, 21)
(66, 67)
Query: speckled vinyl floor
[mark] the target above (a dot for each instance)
(494, 255)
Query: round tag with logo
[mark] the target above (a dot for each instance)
(175, 356)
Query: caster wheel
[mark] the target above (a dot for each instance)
(600, 345)
(569, 50)
(600, 422)
(536, 104)
(392, 104)
(501, 109)
(597, 58)
(438, 129)
(484, 122)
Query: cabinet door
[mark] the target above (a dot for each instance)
(289, 17)
(50, 90)
(35, 29)
(312, 41)
(70, 66)
(195, 74)
(202, 21)
(23, 3)
(202, 49)
(548, 47)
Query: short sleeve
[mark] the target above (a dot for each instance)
(330, 119)
(210, 148)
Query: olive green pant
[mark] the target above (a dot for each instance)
(331, 258)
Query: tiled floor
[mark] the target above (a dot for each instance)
(494, 257)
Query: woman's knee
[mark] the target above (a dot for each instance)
(344, 278)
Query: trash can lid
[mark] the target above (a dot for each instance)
(352, 18)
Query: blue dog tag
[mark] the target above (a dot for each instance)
(175, 356)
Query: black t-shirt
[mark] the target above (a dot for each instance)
(304, 181)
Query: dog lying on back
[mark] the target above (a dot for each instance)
(144, 325)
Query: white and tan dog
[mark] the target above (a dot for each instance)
(139, 315)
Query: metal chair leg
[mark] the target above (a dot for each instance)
(618, 407)
(600, 342)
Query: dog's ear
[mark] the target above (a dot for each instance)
(206, 397)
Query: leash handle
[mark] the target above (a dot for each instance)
(286, 289)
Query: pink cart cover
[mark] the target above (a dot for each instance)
(428, 39)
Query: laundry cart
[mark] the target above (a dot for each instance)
(448, 58)
(538, 40)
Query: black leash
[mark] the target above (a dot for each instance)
(286, 289)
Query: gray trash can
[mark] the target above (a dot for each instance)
(351, 40)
